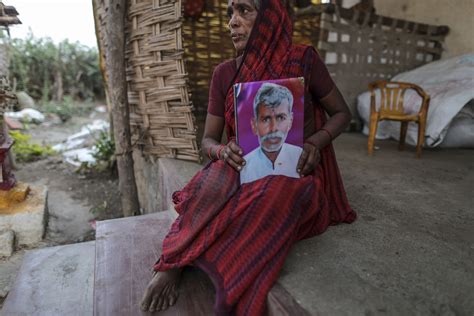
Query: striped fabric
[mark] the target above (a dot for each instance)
(241, 234)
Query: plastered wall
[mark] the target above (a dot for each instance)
(457, 14)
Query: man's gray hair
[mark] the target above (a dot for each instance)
(257, 4)
(272, 95)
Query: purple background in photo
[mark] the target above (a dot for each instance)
(246, 138)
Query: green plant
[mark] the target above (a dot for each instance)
(64, 109)
(48, 71)
(25, 151)
(104, 151)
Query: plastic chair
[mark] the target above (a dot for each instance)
(392, 108)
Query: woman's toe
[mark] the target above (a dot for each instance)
(164, 306)
(172, 299)
(153, 304)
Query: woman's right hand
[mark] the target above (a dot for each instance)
(232, 154)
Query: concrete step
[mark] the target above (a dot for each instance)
(54, 281)
(174, 174)
(126, 250)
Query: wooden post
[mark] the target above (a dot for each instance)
(102, 66)
(115, 62)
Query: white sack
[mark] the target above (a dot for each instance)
(27, 115)
(87, 136)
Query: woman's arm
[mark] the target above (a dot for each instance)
(212, 147)
(340, 116)
(339, 119)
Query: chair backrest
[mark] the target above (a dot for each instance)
(392, 96)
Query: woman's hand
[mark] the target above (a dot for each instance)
(232, 154)
(309, 159)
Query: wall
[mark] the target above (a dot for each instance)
(148, 182)
(457, 14)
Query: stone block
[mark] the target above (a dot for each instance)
(7, 243)
(28, 218)
(14, 196)
(174, 174)
(121, 279)
(54, 281)
(146, 178)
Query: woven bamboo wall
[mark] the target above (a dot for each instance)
(160, 108)
(207, 43)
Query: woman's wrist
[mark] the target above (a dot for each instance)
(219, 152)
(320, 139)
(328, 133)
(214, 152)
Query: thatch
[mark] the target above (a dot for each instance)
(8, 15)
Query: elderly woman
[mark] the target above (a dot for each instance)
(240, 234)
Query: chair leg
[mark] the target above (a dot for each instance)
(421, 137)
(403, 135)
(372, 132)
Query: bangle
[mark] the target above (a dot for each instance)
(327, 132)
(221, 147)
(209, 152)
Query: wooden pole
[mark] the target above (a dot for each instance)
(102, 66)
(115, 62)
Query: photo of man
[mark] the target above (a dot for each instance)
(271, 122)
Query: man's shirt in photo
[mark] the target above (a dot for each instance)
(258, 165)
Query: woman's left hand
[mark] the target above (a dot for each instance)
(308, 160)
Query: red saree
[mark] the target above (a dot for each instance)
(240, 234)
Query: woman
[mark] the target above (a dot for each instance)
(240, 234)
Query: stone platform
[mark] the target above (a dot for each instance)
(26, 219)
(54, 281)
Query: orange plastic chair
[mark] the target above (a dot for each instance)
(392, 108)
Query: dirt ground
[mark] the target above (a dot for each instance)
(75, 199)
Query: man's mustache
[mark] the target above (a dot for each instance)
(276, 134)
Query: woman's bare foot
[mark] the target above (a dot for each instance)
(162, 291)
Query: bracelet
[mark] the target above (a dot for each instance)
(221, 147)
(209, 152)
(327, 132)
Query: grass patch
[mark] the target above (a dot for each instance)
(25, 151)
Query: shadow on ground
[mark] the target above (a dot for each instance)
(411, 250)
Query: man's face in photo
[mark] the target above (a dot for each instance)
(272, 125)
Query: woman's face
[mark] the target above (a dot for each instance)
(242, 15)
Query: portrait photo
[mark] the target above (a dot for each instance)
(269, 124)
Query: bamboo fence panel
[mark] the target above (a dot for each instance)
(361, 47)
(207, 43)
(161, 112)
